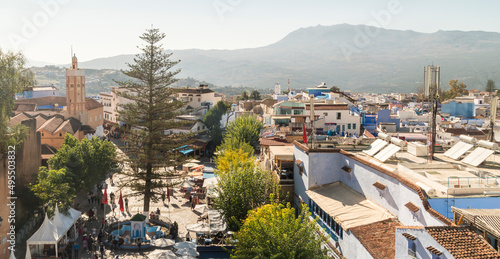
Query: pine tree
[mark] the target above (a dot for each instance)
(150, 112)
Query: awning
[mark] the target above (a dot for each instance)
(281, 117)
(346, 206)
(186, 151)
(283, 153)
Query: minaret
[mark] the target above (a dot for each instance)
(75, 91)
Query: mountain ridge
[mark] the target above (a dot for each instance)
(353, 57)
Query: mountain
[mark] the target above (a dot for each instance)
(352, 57)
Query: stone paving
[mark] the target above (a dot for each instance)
(178, 210)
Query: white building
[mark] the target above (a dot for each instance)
(358, 202)
(198, 97)
(45, 90)
(336, 117)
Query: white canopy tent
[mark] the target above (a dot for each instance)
(52, 231)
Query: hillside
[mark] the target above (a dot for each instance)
(343, 55)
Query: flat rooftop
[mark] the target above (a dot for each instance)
(444, 177)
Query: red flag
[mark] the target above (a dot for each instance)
(304, 134)
(105, 194)
(168, 193)
(120, 201)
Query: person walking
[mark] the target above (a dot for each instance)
(76, 247)
(89, 197)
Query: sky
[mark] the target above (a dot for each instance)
(47, 30)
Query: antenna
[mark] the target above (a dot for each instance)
(288, 85)
(71, 50)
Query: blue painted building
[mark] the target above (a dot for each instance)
(461, 109)
(385, 116)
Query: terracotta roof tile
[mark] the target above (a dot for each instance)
(378, 238)
(412, 206)
(411, 237)
(347, 169)
(324, 107)
(434, 250)
(462, 243)
(272, 142)
(379, 185)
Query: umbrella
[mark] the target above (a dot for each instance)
(186, 252)
(201, 208)
(162, 254)
(199, 228)
(187, 184)
(181, 245)
(163, 242)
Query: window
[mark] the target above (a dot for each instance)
(354, 126)
(349, 126)
(60, 134)
(191, 99)
(343, 128)
(339, 115)
(95, 118)
(435, 256)
(412, 248)
(42, 134)
(90, 119)
(100, 116)
(199, 99)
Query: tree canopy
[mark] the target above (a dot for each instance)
(86, 162)
(243, 187)
(151, 111)
(244, 129)
(255, 95)
(212, 120)
(14, 77)
(490, 86)
(456, 89)
(54, 187)
(244, 96)
(334, 89)
(273, 231)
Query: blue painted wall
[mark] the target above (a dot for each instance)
(443, 205)
(458, 109)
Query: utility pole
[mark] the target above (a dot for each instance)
(431, 75)
(493, 115)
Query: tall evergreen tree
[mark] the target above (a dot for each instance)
(150, 112)
(13, 78)
(490, 86)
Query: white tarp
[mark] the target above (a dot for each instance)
(283, 153)
(346, 206)
(62, 222)
(210, 182)
(46, 234)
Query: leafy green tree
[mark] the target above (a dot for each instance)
(235, 143)
(232, 156)
(54, 187)
(490, 86)
(245, 129)
(273, 231)
(14, 77)
(212, 120)
(334, 89)
(242, 188)
(87, 161)
(244, 96)
(255, 95)
(151, 111)
(456, 89)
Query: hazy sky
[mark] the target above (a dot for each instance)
(45, 30)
